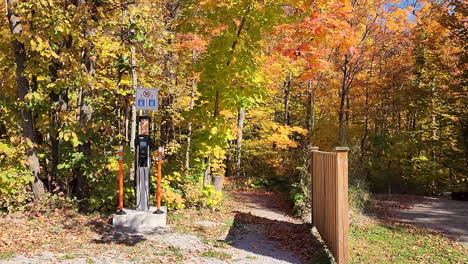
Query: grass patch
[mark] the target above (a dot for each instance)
(7, 255)
(216, 254)
(68, 256)
(162, 253)
(175, 217)
(176, 252)
(378, 242)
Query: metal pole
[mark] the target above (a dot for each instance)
(121, 211)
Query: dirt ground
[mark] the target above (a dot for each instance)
(265, 227)
(254, 227)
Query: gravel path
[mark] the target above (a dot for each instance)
(249, 236)
(447, 216)
(261, 232)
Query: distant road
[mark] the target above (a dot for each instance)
(447, 216)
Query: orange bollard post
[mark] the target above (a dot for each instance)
(158, 191)
(121, 211)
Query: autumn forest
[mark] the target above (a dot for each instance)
(246, 89)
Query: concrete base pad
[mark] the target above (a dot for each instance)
(141, 220)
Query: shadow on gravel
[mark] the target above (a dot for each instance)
(284, 241)
(110, 235)
(120, 237)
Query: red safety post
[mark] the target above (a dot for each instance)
(121, 211)
(158, 191)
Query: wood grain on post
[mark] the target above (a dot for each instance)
(342, 206)
(313, 150)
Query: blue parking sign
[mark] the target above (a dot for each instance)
(146, 99)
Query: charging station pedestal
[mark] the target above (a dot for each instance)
(141, 221)
(143, 157)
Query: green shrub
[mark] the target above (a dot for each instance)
(14, 178)
(203, 197)
(172, 199)
(358, 197)
(299, 195)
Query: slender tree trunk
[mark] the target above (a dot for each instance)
(134, 111)
(348, 107)
(343, 95)
(127, 122)
(240, 133)
(53, 135)
(366, 124)
(54, 141)
(216, 104)
(287, 90)
(434, 122)
(189, 127)
(85, 112)
(60, 104)
(207, 172)
(310, 111)
(22, 89)
(118, 108)
(133, 129)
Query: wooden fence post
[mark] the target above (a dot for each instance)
(313, 150)
(342, 206)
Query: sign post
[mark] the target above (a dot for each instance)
(146, 100)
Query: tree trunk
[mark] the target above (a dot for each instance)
(207, 172)
(189, 126)
(342, 120)
(85, 113)
(310, 112)
(216, 104)
(343, 95)
(240, 133)
(133, 131)
(54, 141)
(366, 124)
(60, 103)
(189, 133)
(348, 107)
(287, 89)
(22, 89)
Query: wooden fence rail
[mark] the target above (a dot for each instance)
(329, 172)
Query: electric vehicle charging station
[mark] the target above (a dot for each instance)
(142, 217)
(143, 163)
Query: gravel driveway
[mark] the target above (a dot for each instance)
(448, 216)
